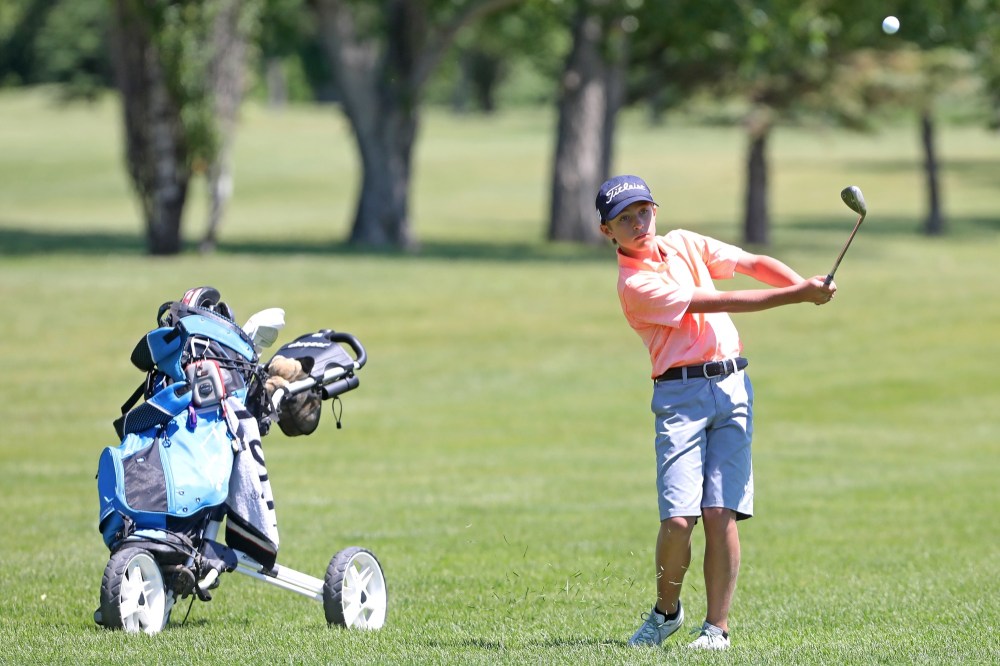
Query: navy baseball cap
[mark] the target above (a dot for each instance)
(620, 192)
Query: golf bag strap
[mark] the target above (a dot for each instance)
(134, 398)
(119, 423)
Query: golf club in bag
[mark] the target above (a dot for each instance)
(185, 497)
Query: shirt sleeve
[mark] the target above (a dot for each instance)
(651, 298)
(720, 258)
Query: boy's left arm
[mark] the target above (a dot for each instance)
(766, 269)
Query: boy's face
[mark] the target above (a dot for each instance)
(634, 229)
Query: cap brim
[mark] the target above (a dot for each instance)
(619, 207)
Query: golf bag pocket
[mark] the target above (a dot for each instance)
(164, 475)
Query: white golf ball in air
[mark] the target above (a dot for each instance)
(890, 24)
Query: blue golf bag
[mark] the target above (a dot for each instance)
(190, 461)
(193, 445)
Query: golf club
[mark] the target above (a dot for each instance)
(263, 327)
(855, 201)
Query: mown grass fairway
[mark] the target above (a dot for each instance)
(497, 456)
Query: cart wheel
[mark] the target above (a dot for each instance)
(354, 592)
(133, 597)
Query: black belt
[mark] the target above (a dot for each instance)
(705, 370)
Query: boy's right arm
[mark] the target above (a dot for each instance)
(754, 300)
(766, 269)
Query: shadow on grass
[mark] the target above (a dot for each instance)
(24, 242)
(461, 250)
(888, 225)
(983, 172)
(810, 233)
(824, 234)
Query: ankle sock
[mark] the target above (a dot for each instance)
(669, 617)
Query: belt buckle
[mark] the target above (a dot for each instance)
(704, 369)
(722, 366)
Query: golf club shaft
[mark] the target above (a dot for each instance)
(829, 278)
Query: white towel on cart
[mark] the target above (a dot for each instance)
(252, 524)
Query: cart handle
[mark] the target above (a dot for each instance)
(360, 355)
(335, 380)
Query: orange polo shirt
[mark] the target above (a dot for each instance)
(655, 295)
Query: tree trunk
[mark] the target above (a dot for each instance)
(934, 225)
(277, 83)
(582, 154)
(381, 76)
(756, 224)
(485, 73)
(227, 77)
(380, 102)
(155, 150)
(615, 75)
(382, 214)
(461, 93)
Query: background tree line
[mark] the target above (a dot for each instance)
(184, 67)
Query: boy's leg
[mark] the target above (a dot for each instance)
(682, 411)
(728, 493)
(673, 557)
(722, 564)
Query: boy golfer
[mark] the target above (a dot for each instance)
(702, 399)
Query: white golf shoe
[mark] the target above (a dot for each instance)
(655, 627)
(710, 637)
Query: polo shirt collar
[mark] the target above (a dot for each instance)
(631, 263)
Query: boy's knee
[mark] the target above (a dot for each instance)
(717, 517)
(678, 524)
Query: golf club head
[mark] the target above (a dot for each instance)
(854, 199)
(263, 327)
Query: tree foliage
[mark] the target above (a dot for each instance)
(816, 61)
(181, 32)
(180, 73)
(48, 41)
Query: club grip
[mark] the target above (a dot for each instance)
(828, 280)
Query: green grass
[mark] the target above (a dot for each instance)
(497, 454)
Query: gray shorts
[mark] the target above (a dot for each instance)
(703, 433)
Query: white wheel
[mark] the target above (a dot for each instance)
(133, 597)
(354, 591)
